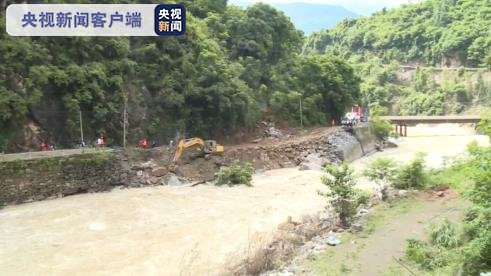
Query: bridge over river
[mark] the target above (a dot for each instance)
(402, 122)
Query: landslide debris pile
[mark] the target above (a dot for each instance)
(316, 150)
(310, 152)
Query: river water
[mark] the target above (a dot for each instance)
(180, 230)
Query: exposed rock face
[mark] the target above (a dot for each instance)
(313, 162)
(273, 132)
(160, 171)
(172, 180)
(29, 138)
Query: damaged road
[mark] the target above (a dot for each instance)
(309, 151)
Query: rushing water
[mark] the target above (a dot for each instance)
(437, 142)
(179, 230)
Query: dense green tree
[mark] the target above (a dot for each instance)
(326, 85)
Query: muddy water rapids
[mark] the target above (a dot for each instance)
(179, 230)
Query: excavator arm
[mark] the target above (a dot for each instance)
(187, 143)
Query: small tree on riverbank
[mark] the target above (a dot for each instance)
(412, 175)
(342, 195)
(409, 176)
(236, 174)
(380, 127)
(484, 126)
(383, 172)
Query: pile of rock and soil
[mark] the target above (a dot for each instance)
(309, 152)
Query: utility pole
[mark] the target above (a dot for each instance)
(301, 113)
(125, 117)
(81, 127)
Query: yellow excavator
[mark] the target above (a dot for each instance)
(205, 146)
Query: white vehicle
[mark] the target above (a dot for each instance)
(350, 120)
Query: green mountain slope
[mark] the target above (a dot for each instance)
(434, 32)
(217, 80)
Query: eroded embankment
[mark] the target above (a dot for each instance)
(41, 178)
(311, 151)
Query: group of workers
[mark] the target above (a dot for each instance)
(100, 143)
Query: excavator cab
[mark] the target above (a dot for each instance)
(205, 146)
(211, 146)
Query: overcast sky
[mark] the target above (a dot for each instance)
(365, 7)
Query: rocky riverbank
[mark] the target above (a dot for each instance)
(25, 180)
(310, 152)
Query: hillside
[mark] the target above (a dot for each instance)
(218, 80)
(412, 59)
(433, 32)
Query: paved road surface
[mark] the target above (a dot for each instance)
(44, 154)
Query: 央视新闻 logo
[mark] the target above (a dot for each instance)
(170, 20)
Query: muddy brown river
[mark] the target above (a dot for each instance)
(179, 230)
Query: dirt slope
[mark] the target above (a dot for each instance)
(373, 252)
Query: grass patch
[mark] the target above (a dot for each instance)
(336, 260)
(396, 269)
(385, 211)
(454, 174)
(445, 234)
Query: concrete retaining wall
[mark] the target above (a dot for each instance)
(367, 140)
(351, 146)
(37, 179)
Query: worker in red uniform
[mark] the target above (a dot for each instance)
(101, 142)
(143, 143)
